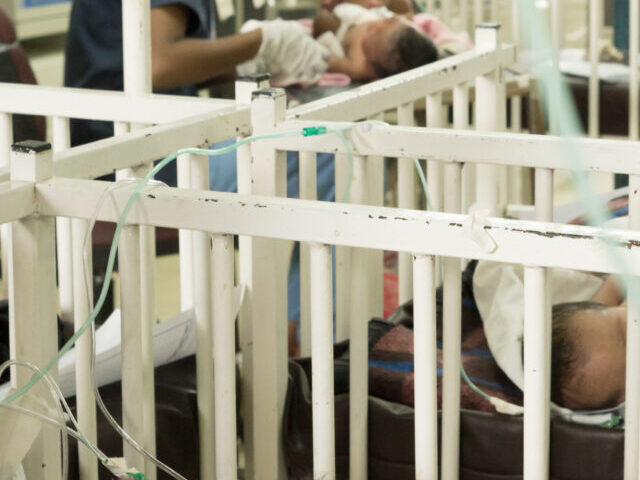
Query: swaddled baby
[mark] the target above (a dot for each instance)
(371, 43)
(364, 44)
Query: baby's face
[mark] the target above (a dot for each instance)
(377, 40)
(600, 337)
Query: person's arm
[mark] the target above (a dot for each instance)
(610, 292)
(177, 61)
(358, 71)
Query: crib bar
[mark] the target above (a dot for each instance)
(343, 257)
(322, 362)
(6, 139)
(202, 288)
(61, 141)
(75, 305)
(425, 366)
(308, 191)
(362, 226)
(632, 393)
(494, 10)
(515, 23)
(536, 374)
(375, 196)
(33, 331)
(634, 39)
(132, 375)
(544, 194)
(82, 284)
(496, 148)
(451, 321)
(359, 353)
(435, 112)
(264, 345)
(225, 358)
(244, 88)
(183, 167)
(136, 33)
(595, 10)
(488, 116)
(106, 105)
(388, 93)
(461, 122)
(463, 6)
(478, 12)
(556, 27)
(406, 199)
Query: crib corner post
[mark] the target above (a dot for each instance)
(490, 116)
(32, 298)
(264, 337)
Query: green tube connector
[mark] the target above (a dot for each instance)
(312, 131)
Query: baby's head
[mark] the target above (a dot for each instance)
(588, 355)
(394, 45)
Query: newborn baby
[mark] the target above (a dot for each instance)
(589, 343)
(371, 43)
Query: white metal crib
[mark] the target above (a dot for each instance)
(45, 186)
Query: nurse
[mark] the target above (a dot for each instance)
(184, 55)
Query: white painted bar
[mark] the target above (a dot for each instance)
(544, 194)
(556, 26)
(435, 112)
(497, 148)
(307, 171)
(225, 359)
(143, 146)
(634, 51)
(62, 141)
(82, 306)
(265, 352)
(425, 368)
(478, 12)
(6, 139)
(18, 201)
(33, 330)
(515, 23)
(382, 228)
(202, 289)
(388, 93)
(244, 88)
(359, 341)
(106, 105)
(487, 117)
(536, 375)
(452, 334)
(461, 122)
(595, 11)
(632, 382)
(324, 465)
(183, 167)
(343, 256)
(406, 199)
(132, 373)
(375, 196)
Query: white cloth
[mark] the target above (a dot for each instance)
(499, 293)
(287, 52)
(351, 14)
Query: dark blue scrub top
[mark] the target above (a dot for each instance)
(93, 57)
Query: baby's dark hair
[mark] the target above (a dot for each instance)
(564, 350)
(410, 49)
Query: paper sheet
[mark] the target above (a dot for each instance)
(173, 339)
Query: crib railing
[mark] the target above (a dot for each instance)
(426, 235)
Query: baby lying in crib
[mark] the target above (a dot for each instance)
(589, 318)
(365, 44)
(589, 350)
(370, 43)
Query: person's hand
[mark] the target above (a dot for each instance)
(287, 48)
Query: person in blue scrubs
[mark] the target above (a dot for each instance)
(183, 55)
